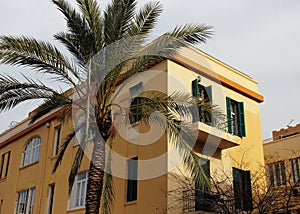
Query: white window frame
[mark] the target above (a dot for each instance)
(56, 140)
(31, 152)
(27, 197)
(78, 193)
(50, 198)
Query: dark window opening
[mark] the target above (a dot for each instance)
(204, 95)
(56, 140)
(132, 170)
(203, 198)
(135, 103)
(50, 199)
(242, 189)
(5, 158)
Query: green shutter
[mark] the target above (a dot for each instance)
(237, 188)
(196, 93)
(241, 118)
(247, 191)
(195, 88)
(208, 94)
(229, 116)
(206, 168)
(207, 116)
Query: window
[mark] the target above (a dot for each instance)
(25, 201)
(132, 176)
(205, 97)
(277, 174)
(50, 198)
(32, 151)
(56, 140)
(295, 170)
(242, 189)
(235, 117)
(202, 195)
(77, 197)
(4, 164)
(135, 103)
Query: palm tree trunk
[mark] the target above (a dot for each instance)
(95, 178)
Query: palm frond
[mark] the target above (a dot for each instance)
(166, 46)
(91, 12)
(181, 137)
(63, 149)
(180, 133)
(39, 55)
(13, 92)
(192, 33)
(145, 19)
(54, 102)
(73, 46)
(75, 167)
(78, 27)
(158, 50)
(117, 19)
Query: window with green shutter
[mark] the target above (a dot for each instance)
(242, 189)
(204, 95)
(235, 117)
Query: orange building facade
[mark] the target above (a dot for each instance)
(29, 151)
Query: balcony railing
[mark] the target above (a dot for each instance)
(207, 202)
(195, 200)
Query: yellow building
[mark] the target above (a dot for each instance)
(282, 158)
(28, 152)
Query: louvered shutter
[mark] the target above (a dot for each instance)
(229, 116)
(237, 188)
(241, 119)
(247, 191)
(196, 93)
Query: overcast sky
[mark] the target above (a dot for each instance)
(260, 38)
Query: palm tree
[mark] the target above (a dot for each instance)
(91, 31)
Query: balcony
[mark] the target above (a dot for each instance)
(208, 202)
(213, 137)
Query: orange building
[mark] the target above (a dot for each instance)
(28, 151)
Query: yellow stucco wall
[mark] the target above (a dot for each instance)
(152, 192)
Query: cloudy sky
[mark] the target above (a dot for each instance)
(260, 38)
